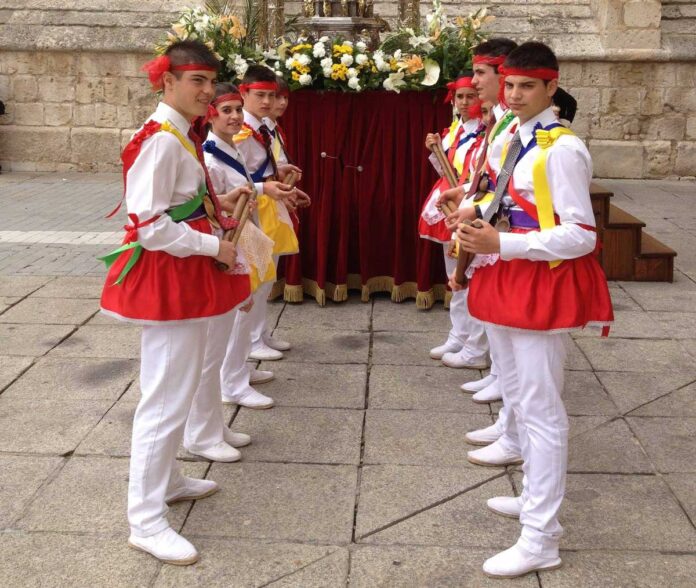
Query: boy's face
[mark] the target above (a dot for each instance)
(463, 99)
(259, 102)
(528, 97)
(280, 106)
(486, 109)
(190, 92)
(229, 120)
(486, 82)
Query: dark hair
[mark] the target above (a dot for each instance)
(532, 55)
(184, 52)
(495, 47)
(282, 84)
(225, 88)
(258, 73)
(567, 105)
(467, 73)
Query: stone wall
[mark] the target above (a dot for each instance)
(73, 91)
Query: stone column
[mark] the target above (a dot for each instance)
(629, 24)
(409, 12)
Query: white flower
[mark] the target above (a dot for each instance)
(347, 60)
(352, 72)
(288, 62)
(327, 62)
(327, 72)
(360, 46)
(279, 73)
(361, 59)
(417, 41)
(305, 79)
(304, 59)
(349, 43)
(382, 65)
(319, 50)
(324, 39)
(397, 54)
(432, 72)
(379, 54)
(240, 65)
(394, 81)
(354, 84)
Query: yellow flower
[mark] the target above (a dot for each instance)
(393, 64)
(179, 30)
(295, 76)
(300, 47)
(339, 50)
(339, 70)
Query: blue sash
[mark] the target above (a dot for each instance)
(217, 153)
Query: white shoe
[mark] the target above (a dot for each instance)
(494, 455)
(483, 436)
(167, 546)
(260, 376)
(447, 347)
(250, 398)
(275, 343)
(219, 452)
(506, 506)
(235, 439)
(490, 393)
(478, 385)
(463, 359)
(192, 489)
(517, 561)
(263, 352)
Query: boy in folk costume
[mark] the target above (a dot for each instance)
(255, 142)
(228, 168)
(206, 435)
(488, 57)
(530, 286)
(164, 278)
(463, 347)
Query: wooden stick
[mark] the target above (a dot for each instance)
(464, 259)
(448, 172)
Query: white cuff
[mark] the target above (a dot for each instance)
(513, 246)
(210, 245)
(259, 188)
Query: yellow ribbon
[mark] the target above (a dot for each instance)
(283, 235)
(186, 144)
(542, 190)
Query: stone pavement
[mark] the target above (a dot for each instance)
(359, 475)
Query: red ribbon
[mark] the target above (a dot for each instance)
(132, 229)
(452, 87)
(541, 73)
(229, 97)
(258, 86)
(489, 60)
(475, 110)
(157, 67)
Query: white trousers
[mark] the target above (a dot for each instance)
(204, 427)
(170, 370)
(531, 368)
(466, 331)
(234, 375)
(257, 315)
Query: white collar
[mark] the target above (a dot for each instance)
(499, 111)
(223, 145)
(252, 121)
(546, 117)
(166, 112)
(270, 123)
(471, 125)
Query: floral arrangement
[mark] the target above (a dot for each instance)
(407, 59)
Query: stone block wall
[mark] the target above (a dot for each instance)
(73, 107)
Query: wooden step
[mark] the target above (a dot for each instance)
(655, 262)
(620, 219)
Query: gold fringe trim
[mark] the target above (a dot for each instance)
(425, 300)
(293, 293)
(277, 290)
(404, 291)
(438, 293)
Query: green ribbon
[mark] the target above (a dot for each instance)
(177, 214)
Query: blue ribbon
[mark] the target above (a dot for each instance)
(217, 153)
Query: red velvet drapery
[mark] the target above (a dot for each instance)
(361, 230)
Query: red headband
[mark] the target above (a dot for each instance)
(475, 110)
(541, 73)
(489, 60)
(259, 86)
(212, 110)
(156, 68)
(452, 87)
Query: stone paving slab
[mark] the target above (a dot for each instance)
(315, 385)
(64, 287)
(280, 502)
(630, 390)
(583, 394)
(55, 427)
(670, 442)
(89, 495)
(631, 355)
(463, 521)
(684, 487)
(390, 493)
(111, 342)
(32, 340)
(617, 512)
(12, 367)
(352, 315)
(403, 348)
(326, 346)
(53, 311)
(400, 317)
(621, 569)
(234, 563)
(22, 476)
(78, 561)
(59, 378)
(676, 325)
(419, 437)
(632, 324)
(680, 403)
(434, 387)
(304, 435)
(620, 299)
(435, 567)
(20, 286)
(680, 296)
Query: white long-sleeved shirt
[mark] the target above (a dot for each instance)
(569, 171)
(224, 177)
(254, 153)
(164, 175)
